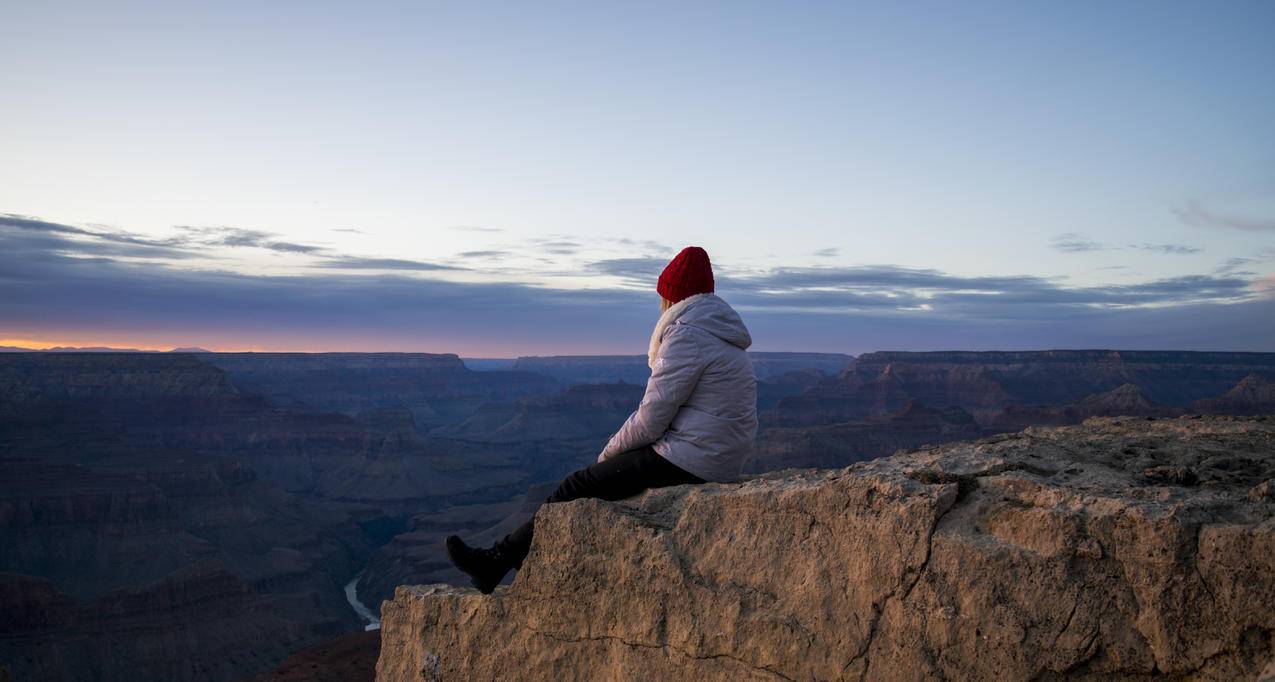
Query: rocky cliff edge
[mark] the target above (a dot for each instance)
(1119, 548)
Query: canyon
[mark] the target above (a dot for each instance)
(207, 518)
(201, 515)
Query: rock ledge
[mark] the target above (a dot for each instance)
(1119, 548)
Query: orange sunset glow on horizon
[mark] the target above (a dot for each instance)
(50, 344)
(334, 346)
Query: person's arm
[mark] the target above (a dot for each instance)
(678, 366)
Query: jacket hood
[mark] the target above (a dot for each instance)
(708, 312)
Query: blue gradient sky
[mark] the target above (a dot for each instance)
(897, 175)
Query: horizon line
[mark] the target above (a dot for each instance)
(7, 347)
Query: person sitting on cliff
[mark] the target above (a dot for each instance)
(697, 420)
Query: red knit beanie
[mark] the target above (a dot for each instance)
(689, 273)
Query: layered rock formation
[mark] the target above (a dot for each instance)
(124, 477)
(175, 568)
(28, 377)
(436, 388)
(1254, 394)
(606, 369)
(984, 383)
(588, 369)
(111, 407)
(1118, 549)
(1127, 400)
(581, 411)
(768, 365)
(839, 445)
(787, 385)
(191, 625)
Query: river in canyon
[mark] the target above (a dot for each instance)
(352, 596)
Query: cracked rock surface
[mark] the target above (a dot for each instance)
(1117, 549)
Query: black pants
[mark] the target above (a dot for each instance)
(623, 475)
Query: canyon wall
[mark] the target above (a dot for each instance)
(160, 519)
(985, 383)
(436, 388)
(606, 369)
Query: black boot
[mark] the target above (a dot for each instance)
(485, 567)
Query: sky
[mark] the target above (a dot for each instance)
(502, 179)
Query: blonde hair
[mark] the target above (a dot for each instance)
(665, 304)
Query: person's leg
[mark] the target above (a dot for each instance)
(624, 475)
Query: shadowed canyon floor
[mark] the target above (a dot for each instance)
(1117, 549)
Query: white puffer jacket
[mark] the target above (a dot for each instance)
(700, 406)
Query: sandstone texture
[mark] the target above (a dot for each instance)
(1116, 549)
